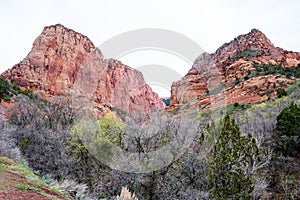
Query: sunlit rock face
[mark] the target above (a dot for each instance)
(63, 62)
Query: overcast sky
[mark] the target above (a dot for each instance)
(210, 23)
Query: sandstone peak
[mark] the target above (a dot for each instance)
(255, 31)
(254, 40)
(65, 62)
(59, 30)
(259, 40)
(233, 67)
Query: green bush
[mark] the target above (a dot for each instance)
(237, 107)
(281, 93)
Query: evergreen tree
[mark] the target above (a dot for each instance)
(229, 163)
(288, 121)
(288, 131)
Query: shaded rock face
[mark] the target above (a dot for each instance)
(226, 76)
(123, 87)
(63, 62)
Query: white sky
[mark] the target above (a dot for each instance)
(208, 22)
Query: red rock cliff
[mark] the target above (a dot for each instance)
(230, 75)
(63, 62)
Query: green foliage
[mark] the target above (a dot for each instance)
(102, 196)
(175, 111)
(110, 129)
(24, 143)
(288, 131)
(281, 93)
(237, 80)
(216, 89)
(229, 161)
(74, 146)
(30, 181)
(291, 89)
(246, 53)
(99, 137)
(4, 90)
(90, 138)
(267, 92)
(27, 187)
(288, 121)
(288, 72)
(237, 107)
(8, 90)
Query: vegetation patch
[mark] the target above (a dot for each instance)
(288, 72)
(295, 86)
(230, 108)
(8, 90)
(216, 89)
(245, 54)
(27, 187)
(16, 177)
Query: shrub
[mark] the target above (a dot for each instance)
(40, 133)
(281, 93)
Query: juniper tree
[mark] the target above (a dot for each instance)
(288, 130)
(288, 121)
(229, 161)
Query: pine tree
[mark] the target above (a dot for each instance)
(229, 161)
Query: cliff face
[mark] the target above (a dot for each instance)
(236, 72)
(63, 62)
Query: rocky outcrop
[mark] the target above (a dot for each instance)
(63, 62)
(230, 74)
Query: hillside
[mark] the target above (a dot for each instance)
(18, 182)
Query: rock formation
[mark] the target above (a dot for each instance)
(63, 62)
(232, 73)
